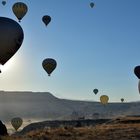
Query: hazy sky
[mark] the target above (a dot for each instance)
(94, 48)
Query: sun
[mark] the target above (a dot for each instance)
(8, 65)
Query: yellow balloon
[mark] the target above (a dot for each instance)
(104, 99)
(16, 122)
(20, 9)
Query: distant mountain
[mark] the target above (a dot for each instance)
(43, 105)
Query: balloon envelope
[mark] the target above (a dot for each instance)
(20, 9)
(104, 99)
(137, 71)
(95, 91)
(3, 2)
(46, 19)
(122, 99)
(139, 86)
(49, 65)
(16, 123)
(91, 4)
(11, 38)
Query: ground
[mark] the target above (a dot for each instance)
(127, 128)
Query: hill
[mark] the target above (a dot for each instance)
(45, 106)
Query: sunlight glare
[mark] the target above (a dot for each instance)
(11, 63)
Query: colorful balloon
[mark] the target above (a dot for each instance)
(104, 99)
(20, 9)
(11, 38)
(46, 19)
(49, 65)
(16, 123)
(137, 71)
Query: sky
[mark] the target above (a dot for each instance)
(94, 48)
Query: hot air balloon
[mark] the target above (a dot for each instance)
(46, 19)
(137, 71)
(3, 2)
(139, 86)
(104, 99)
(11, 38)
(122, 100)
(49, 65)
(20, 9)
(95, 91)
(16, 123)
(91, 4)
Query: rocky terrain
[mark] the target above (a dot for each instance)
(69, 119)
(125, 128)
